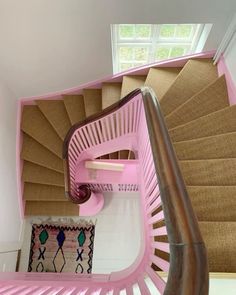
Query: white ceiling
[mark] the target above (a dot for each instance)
(49, 45)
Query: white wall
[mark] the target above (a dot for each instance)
(230, 58)
(52, 45)
(9, 210)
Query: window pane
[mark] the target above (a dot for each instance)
(162, 53)
(126, 53)
(177, 51)
(140, 53)
(167, 31)
(183, 31)
(125, 66)
(126, 31)
(143, 31)
(136, 44)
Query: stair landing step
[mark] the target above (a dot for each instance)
(52, 208)
(43, 192)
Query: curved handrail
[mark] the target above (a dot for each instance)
(188, 273)
(84, 193)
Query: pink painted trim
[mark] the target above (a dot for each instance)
(142, 70)
(223, 69)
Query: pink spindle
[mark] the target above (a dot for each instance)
(104, 131)
(122, 119)
(161, 231)
(154, 205)
(129, 290)
(161, 263)
(81, 140)
(98, 127)
(113, 127)
(143, 287)
(108, 126)
(165, 247)
(93, 127)
(84, 137)
(77, 139)
(157, 217)
(90, 136)
(157, 280)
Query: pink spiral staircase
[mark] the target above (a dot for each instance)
(135, 123)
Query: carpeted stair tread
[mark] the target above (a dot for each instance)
(38, 174)
(34, 152)
(130, 83)
(37, 126)
(212, 147)
(160, 79)
(56, 114)
(209, 172)
(222, 121)
(213, 203)
(43, 192)
(212, 98)
(110, 94)
(220, 241)
(195, 75)
(92, 101)
(74, 105)
(52, 208)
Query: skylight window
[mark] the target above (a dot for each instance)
(138, 44)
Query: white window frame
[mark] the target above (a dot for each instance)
(155, 41)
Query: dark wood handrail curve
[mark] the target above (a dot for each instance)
(188, 273)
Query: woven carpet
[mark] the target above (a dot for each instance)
(58, 247)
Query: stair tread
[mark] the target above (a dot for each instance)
(92, 101)
(195, 75)
(43, 192)
(209, 125)
(213, 203)
(130, 83)
(39, 174)
(160, 79)
(56, 114)
(51, 208)
(111, 93)
(213, 147)
(212, 98)
(220, 241)
(74, 105)
(209, 172)
(36, 153)
(37, 126)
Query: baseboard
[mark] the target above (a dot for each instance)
(12, 246)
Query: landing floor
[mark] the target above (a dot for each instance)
(117, 233)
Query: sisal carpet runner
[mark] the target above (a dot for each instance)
(57, 247)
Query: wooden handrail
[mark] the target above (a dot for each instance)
(188, 273)
(84, 192)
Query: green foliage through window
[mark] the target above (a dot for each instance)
(138, 44)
